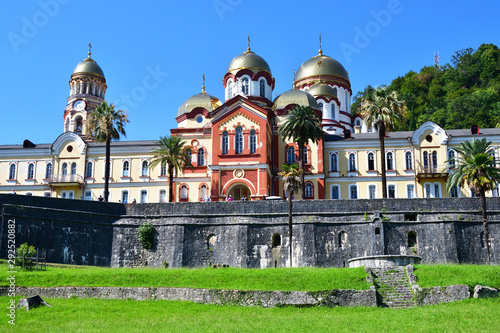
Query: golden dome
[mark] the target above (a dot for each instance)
(294, 96)
(88, 66)
(201, 100)
(250, 61)
(322, 89)
(322, 66)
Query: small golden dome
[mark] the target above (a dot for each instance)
(294, 96)
(201, 100)
(322, 89)
(321, 66)
(88, 66)
(248, 60)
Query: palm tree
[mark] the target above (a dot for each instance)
(291, 177)
(105, 124)
(301, 125)
(381, 108)
(172, 152)
(474, 165)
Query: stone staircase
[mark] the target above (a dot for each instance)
(393, 287)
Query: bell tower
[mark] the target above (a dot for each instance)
(87, 90)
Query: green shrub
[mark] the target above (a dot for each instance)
(146, 235)
(24, 253)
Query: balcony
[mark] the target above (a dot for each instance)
(66, 180)
(432, 171)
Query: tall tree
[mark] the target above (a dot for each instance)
(381, 108)
(291, 182)
(172, 152)
(474, 167)
(105, 124)
(301, 125)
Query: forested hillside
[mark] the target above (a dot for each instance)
(459, 94)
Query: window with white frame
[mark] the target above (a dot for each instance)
(144, 168)
(126, 169)
(64, 169)
(71, 194)
(333, 111)
(437, 190)
(238, 140)
(46, 194)
(371, 161)
(73, 168)
(163, 169)
(372, 191)
(353, 191)
(306, 156)
(320, 106)
(408, 160)
(309, 191)
(334, 165)
(89, 171)
(454, 192)
(352, 162)
(262, 86)
(434, 161)
(124, 196)
(225, 142)
(163, 196)
(428, 190)
(229, 89)
(64, 194)
(253, 140)
(391, 191)
(451, 159)
(410, 191)
(245, 86)
(335, 192)
(201, 157)
(144, 196)
(31, 171)
(290, 155)
(12, 171)
(184, 192)
(48, 170)
(88, 195)
(390, 160)
(203, 192)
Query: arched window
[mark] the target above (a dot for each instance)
(451, 158)
(184, 192)
(229, 89)
(352, 162)
(203, 192)
(306, 156)
(426, 160)
(64, 169)
(454, 192)
(244, 86)
(126, 169)
(334, 166)
(320, 105)
(211, 241)
(434, 161)
(290, 155)
(48, 170)
(31, 171)
(437, 190)
(342, 239)
(78, 125)
(144, 196)
(163, 196)
(358, 122)
(253, 140)
(73, 168)
(371, 161)
(335, 192)
(335, 91)
(90, 165)
(333, 111)
(309, 193)
(144, 168)
(238, 140)
(66, 125)
(189, 156)
(163, 170)
(201, 157)
(412, 239)
(390, 161)
(225, 142)
(276, 240)
(408, 160)
(262, 86)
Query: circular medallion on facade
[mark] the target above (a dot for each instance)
(194, 143)
(238, 173)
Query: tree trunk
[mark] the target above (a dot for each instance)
(381, 137)
(106, 168)
(482, 198)
(170, 183)
(290, 194)
(301, 167)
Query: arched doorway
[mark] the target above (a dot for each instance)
(239, 191)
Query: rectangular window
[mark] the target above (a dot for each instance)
(353, 192)
(391, 191)
(125, 196)
(410, 189)
(144, 196)
(454, 192)
(335, 192)
(427, 190)
(371, 191)
(88, 195)
(163, 196)
(437, 191)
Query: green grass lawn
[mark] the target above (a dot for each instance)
(446, 275)
(93, 315)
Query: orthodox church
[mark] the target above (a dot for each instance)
(235, 147)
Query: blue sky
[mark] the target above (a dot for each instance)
(376, 41)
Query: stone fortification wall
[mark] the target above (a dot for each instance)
(326, 233)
